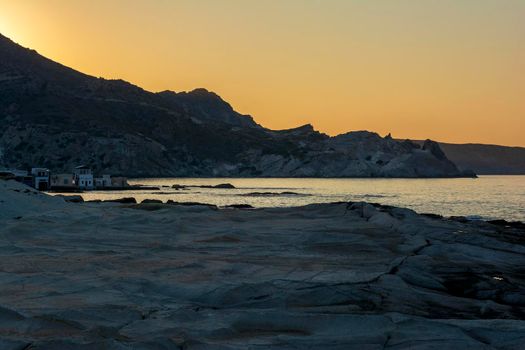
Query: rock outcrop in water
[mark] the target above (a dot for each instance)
(55, 117)
(331, 276)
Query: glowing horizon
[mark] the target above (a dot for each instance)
(446, 70)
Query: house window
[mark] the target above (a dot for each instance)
(65, 181)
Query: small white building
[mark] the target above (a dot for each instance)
(40, 178)
(83, 177)
(103, 182)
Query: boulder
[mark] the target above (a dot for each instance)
(224, 186)
(126, 200)
(151, 201)
(239, 206)
(192, 204)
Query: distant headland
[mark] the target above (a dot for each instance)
(55, 117)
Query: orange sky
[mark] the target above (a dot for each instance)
(443, 69)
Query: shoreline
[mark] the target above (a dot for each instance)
(152, 204)
(475, 176)
(156, 204)
(487, 198)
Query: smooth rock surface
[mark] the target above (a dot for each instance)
(331, 276)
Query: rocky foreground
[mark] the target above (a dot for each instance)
(334, 276)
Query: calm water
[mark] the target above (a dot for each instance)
(487, 197)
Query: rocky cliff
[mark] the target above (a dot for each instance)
(56, 117)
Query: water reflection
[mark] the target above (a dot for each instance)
(488, 197)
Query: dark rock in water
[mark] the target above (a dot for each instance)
(260, 194)
(185, 187)
(72, 199)
(151, 201)
(127, 200)
(224, 186)
(273, 194)
(94, 201)
(192, 204)
(239, 206)
(134, 188)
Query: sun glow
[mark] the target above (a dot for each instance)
(5, 27)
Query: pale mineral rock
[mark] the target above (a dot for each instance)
(330, 276)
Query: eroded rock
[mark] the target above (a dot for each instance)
(327, 276)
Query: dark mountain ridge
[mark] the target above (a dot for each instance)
(57, 117)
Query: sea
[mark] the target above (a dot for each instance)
(484, 198)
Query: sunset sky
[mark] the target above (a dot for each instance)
(450, 70)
